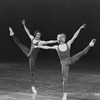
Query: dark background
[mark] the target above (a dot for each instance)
(50, 17)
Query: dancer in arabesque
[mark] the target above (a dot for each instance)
(32, 52)
(63, 50)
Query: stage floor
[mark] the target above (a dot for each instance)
(15, 84)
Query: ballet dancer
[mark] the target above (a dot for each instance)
(32, 52)
(63, 50)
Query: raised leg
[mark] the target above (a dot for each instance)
(22, 47)
(77, 56)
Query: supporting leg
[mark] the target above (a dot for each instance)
(32, 73)
(65, 70)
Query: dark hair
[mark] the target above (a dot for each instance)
(37, 31)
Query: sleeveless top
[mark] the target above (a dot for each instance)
(34, 50)
(63, 54)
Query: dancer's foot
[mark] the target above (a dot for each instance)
(34, 90)
(64, 96)
(11, 31)
(91, 44)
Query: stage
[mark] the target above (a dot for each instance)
(15, 84)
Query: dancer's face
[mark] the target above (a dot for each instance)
(61, 38)
(38, 35)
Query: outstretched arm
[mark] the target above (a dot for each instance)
(43, 47)
(47, 47)
(47, 42)
(27, 30)
(75, 35)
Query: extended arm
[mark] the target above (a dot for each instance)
(47, 47)
(75, 35)
(47, 42)
(27, 30)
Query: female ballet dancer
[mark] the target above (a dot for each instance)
(63, 50)
(32, 52)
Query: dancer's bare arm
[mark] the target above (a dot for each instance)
(27, 30)
(75, 35)
(47, 42)
(47, 47)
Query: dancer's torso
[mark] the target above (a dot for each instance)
(34, 50)
(63, 51)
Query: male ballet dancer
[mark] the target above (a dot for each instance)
(63, 50)
(32, 52)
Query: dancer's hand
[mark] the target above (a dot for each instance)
(35, 46)
(23, 22)
(83, 26)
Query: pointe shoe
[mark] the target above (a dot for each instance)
(11, 31)
(34, 90)
(91, 44)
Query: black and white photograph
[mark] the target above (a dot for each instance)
(49, 49)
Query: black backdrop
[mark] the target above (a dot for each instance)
(50, 17)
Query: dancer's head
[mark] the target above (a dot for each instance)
(37, 34)
(61, 38)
